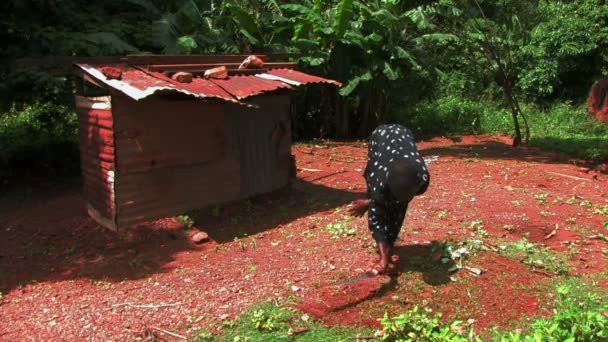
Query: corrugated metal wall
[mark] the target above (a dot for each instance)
(97, 156)
(254, 137)
(170, 158)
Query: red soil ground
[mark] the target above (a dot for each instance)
(65, 278)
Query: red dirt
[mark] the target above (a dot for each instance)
(65, 278)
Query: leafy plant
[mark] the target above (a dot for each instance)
(419, 325)
(341, 228)
(579, 317)
(186, 220)
(263, 321)
(537, 256)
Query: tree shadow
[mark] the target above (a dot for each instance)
(224, 223)
(545, 154)
(48, 236)
(368, 287)
(419, 258)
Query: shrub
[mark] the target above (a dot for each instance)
(39, 137)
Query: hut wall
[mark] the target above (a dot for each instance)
(170, 157)
(97, 157)
(260, 138)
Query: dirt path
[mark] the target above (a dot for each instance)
(64, 277)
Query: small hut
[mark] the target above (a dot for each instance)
(160, 135)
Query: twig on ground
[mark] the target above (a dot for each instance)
(568, 176)
(309, 170)
(146, 306)
(546, 274)
(170, 333)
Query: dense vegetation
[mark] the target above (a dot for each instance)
(440, 67)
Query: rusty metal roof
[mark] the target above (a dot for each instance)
(141, 81)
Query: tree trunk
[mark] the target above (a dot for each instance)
(509, 97)
(342, 117)
(523, 116)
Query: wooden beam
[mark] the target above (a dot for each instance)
(203, 67)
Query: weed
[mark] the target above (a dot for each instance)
(479, 228)
(420, 325)
(442, 214)
(541, 197)
(516, 203)
(241, 243)
(571, 200)
(204, 336)
(264, 321)
(103, 285)
(579, 316)
(538, 256)
(270, 322)
(601, 211)
(586, 204)
(251, 266)
(186, 221)
(341, 228)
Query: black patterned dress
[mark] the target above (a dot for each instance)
(389, 143)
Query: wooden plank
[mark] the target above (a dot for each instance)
(203, 67)
(187, 59)
(157, 133)
(172, 191)
(103, 220)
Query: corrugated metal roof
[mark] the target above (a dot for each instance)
(300, 77)
(139, 82)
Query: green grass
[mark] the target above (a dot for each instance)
(562, 127)
(269, 322)
(538, 256)
(579, 314)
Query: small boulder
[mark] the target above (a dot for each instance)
(182, 77)
(199, 237)
(111, 73)
(220, 73)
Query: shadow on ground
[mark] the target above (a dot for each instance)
(500, 150)
(45, 234)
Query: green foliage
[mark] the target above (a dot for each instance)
(445, 115)
(186, 220)
(264, 321)
(566, 50)
(341, 228)
(39, 137)
(420, 325)
(579, 316)
(538, 256)
(562, 127)
(269, 322)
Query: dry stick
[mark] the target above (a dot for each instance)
(170, 333)
(568, 176)
(146, 306)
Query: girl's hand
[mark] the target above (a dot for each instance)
(358, 207)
